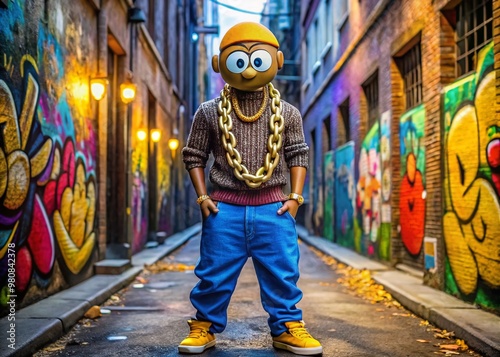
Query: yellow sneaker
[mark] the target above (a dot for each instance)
(297, 340)
(199, 338)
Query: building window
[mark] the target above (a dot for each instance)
(343, 12)
(166, 30)
(151, 19)
(474, 30)
(410, 65)
(370, 87)
(329, 21)
(343, 124)
(326, 135)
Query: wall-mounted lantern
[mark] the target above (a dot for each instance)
(155, 135)
(98, 87)
(127, 91)
(173, 144)
(142, 134)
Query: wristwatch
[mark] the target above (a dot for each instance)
(296, 197)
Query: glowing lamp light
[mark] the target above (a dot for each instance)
(127, 91)
(155, 135)
(173, 144)
(98, 87)
(142, 134)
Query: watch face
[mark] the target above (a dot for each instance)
(300, 199)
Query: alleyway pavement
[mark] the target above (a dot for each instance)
(150, 320)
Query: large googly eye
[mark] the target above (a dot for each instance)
(237, 62)
(261, 60)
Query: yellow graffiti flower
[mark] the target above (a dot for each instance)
(73, 224)
(18, 166)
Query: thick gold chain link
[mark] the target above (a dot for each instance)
(274, 143)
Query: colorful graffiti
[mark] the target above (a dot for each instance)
(345, 196)
(368, 190)
(384, 249)
(412, 191)
(139, 197)
(328, 176)
(373, 190)
(471, 222)
(47, 155)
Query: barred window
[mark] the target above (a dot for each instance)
(370, 87)
(410, 65)
(474, 30)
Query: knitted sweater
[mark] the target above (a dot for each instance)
(251, 142)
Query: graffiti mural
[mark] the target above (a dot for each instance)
(384, 248)
(329, 195)
(345, 196)
(368, 190)
(412, 191)
(139, 196)
(47, 157)
(471, 221)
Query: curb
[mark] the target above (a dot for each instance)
(478, 328)
(47, 320)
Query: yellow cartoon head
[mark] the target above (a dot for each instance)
(249, 57)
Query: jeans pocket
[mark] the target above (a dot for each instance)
(217, 204)
(288, 214)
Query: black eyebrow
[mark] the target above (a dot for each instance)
(248, 48)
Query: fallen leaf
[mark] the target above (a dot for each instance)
(423, 341)
(162, 266)
(424, 323)
(332, 330)
(53, 348)
(399, 314)
(444, 334)
(379, 310)
(450, 347)
(93, 312)
(141, 280)
(446, 353)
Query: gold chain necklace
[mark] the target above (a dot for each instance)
(274, 143)
(239, 113)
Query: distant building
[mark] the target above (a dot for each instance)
(282, 17)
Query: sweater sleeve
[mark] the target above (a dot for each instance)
(197, 149)
(295, 147)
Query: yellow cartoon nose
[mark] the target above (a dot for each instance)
(249, 73)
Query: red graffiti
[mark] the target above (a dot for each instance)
(412, 207)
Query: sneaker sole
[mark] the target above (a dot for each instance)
(298, 350)
(196, 349)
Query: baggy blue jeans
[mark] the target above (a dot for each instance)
(228, 239)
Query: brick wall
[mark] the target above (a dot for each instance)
(378, 31)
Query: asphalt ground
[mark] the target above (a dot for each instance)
(152, 321)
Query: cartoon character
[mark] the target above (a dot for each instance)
(254, 137)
